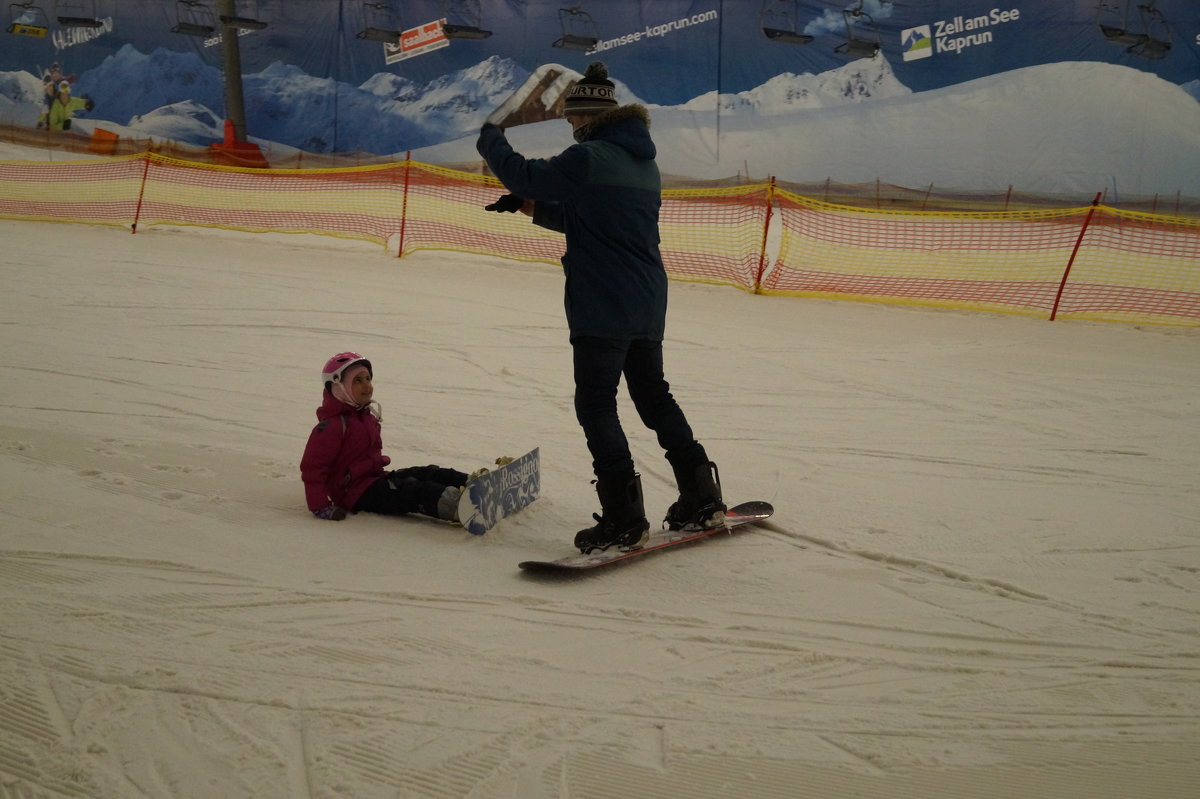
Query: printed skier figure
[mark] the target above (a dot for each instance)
(343, 467)
(62, 110)
(603, 193)
(51, 81)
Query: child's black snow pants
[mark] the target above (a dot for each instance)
(416, 489)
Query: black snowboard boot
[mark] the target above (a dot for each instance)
(700, 506)
(622, 518)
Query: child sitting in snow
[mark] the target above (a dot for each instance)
(343, 464)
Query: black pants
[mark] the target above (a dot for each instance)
(416, 489)
(599, 365)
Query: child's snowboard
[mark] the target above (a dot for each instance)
(499, 493)
(735, 517)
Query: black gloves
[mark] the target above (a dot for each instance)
(89, 105)
(508, 204)
(330, 512)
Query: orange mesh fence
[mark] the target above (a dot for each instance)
(97, 192)
(1146, 269)
(1135, 267)
(444, 210)
(997, 261)
(1087, 263)
(711, 235)
(714, 235)
(358, 202)
(150, 189)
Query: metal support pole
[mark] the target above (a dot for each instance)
(235, 105)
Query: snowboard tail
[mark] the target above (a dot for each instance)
(736, 517)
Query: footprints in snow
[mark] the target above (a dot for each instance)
(192, 477)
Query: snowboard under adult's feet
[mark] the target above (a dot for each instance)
(500, 492)
(735, 517)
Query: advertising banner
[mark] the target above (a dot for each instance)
(417, 41)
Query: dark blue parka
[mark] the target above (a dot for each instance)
(604, 195)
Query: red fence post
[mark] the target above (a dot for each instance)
(762, 252)
(1071, 261)
(137, 213)
(404, 203)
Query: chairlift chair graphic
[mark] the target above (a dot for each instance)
(1149, 37)
(193, 18)
(859, 44)
(77, 14)
(26, 19)
(464, 20)
(379, 24)
(578, 29)
(779, 20)
(246, 21)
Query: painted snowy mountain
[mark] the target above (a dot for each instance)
(455, 102)
(21, 97)
(1076, 127)
(130, 83)
(183, 122)
(1066, 128)
(1069, 127)
(386, 114)
(855, 82)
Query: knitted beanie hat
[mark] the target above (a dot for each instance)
(593, 93)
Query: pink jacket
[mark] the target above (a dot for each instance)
(343, 457)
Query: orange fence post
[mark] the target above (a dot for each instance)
(1075, 251)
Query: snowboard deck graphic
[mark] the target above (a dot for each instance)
(736, 517)
(500, 493)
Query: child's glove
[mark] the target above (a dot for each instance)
(330, 512)
(508, 204)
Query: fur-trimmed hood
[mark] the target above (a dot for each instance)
(627, 126)
(624, 112)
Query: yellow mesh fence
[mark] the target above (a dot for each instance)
(1094, 263)
(1129, 266)
(444, 210)
(714, 235)
(1009, 262)
(1135, 267)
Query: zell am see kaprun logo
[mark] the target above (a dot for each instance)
(953, 35)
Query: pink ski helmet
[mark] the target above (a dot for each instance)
(336, 366)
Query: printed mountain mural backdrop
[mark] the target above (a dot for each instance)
(868, 87)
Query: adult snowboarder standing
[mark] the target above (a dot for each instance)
(603, 193)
